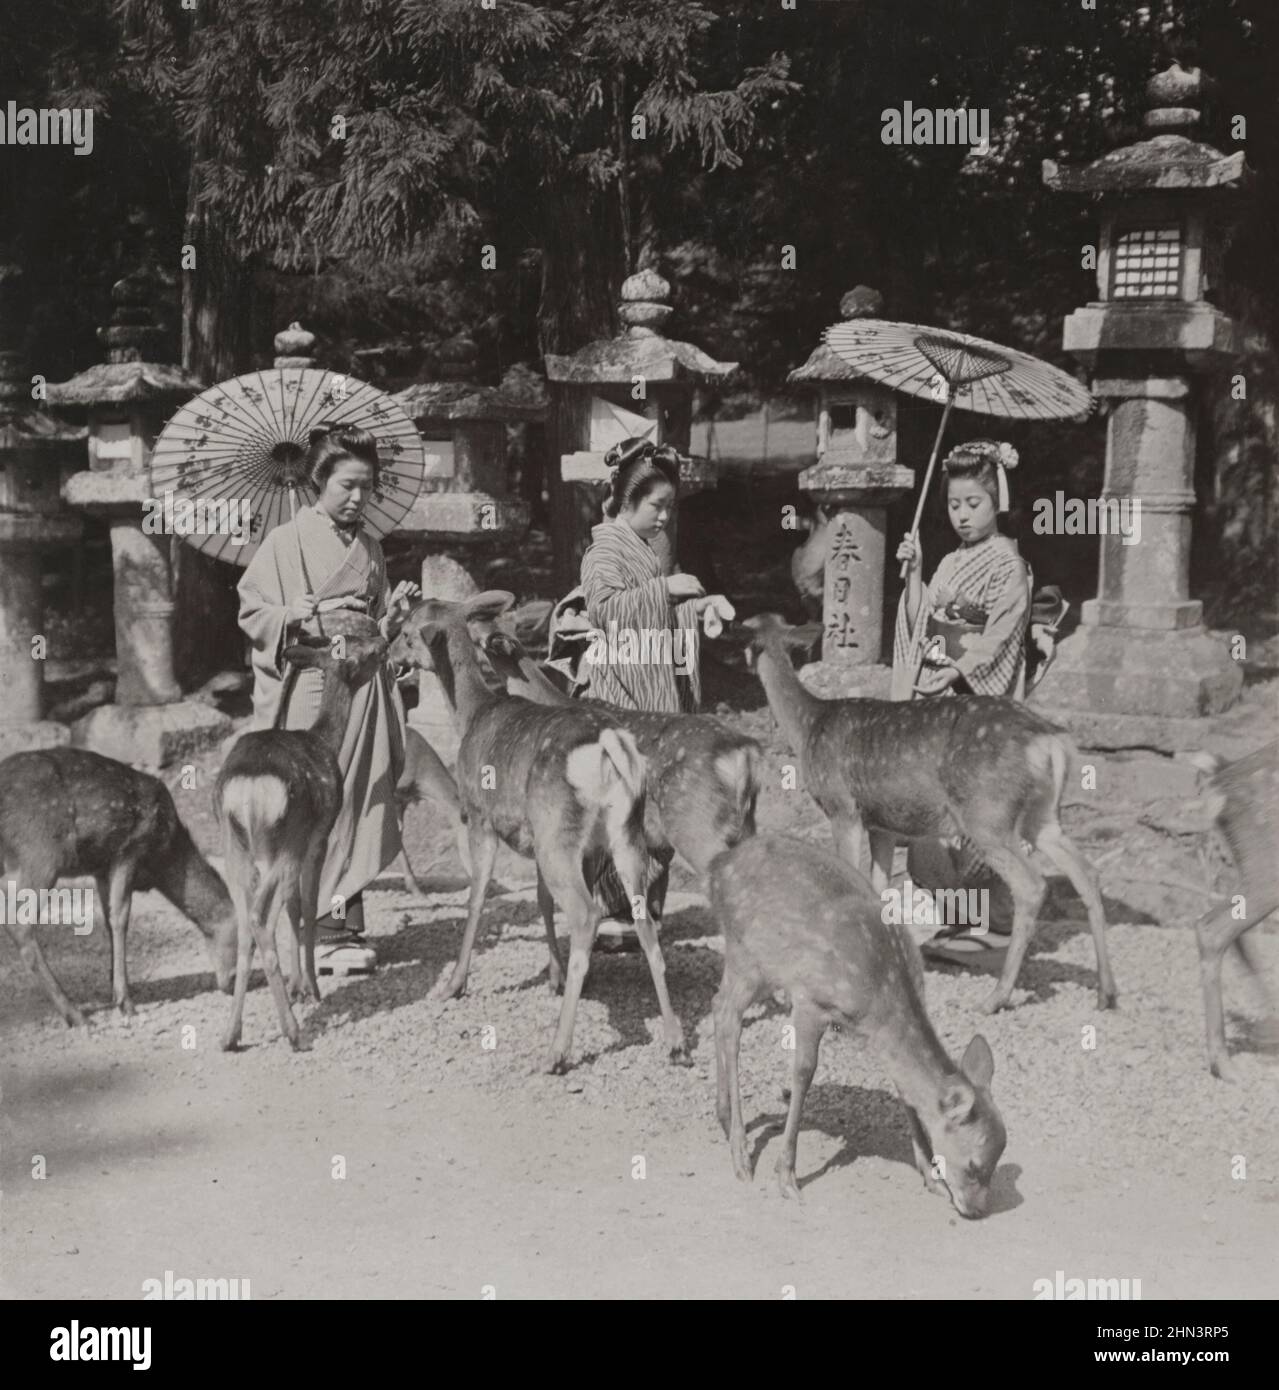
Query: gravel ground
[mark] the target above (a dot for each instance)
(467, 1167)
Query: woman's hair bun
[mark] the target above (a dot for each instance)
(1008, 456)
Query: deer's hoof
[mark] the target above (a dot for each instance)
(994, 1003)
(556, 1064)
(741, 1164)
(126, 1007)
(231, 1042)
(679, 1055)
(73, 1018)
(786, 1183)
(1224, 1070)
(1107, 999)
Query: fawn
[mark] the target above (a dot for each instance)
(425, 778)
(1243, 800)
(795, 918)
(277, 796)
(564, 783)
(703, 779)
(984, 767)
(67, 811)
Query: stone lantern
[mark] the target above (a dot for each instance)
(36, 450)
(1141, 649)
(464, 507)
(127, 400)
(855, 479)
(636, 383)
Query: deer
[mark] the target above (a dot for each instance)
(808, 562)
(564, 783)
(425, 778)
(277, 796)
(795, 918)
(69, 811)
(1242, 797)
(703, 779)
(980, 766)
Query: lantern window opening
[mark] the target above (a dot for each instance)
(1147, 263)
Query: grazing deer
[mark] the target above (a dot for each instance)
(795, 918)
(983, 767)
(425, 778)
(66, 811)
(565, 783)
(703, 779)
(277, 796)
(1243, 800)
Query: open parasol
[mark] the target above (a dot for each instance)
(955, 369)
(246, 439)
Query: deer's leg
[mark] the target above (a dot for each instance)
(483, 856)
(1265, 1033)
(310, 892)
(809, 1027)
(882, 845)
(239, 880)
(1058, 850)
(568, 887)
(546, 906)
(121, 892)
(1026, 884)
(846, 830)
(262, 924)
(1215, 930)
(23, 936)
(733, 998)
(410, 878)
(633, 875)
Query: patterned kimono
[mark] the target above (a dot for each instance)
(624, 581)
(366, 837)
(979, 602)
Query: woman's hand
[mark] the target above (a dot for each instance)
(682, 586)
(301, 610)
(403, 597)
(355, 601)
(911, 551)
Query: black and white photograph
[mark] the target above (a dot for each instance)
(639, 653)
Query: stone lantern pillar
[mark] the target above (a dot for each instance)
(465, 507)
(1141, 649)
(126, 401)
(855, 479)
(35, 450)
(635, 383)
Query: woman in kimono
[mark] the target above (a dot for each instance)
(977, 609)
(645, 611)
(321, 561)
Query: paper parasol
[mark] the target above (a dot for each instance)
(246, 440)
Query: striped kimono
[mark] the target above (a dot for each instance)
(635, 663)
(986, 585)
(366, 837)
(980, 593)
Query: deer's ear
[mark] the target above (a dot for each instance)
(802, 637)
(490, 604)
(299, 655)
(957, 1103)
(979, 1063)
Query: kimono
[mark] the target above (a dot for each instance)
(978, 602)
(646, 656)
(366, 837)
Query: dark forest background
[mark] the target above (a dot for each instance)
(513, 127)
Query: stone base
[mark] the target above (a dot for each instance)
(1112, 672)
(30, 738)
(151, 736)
(1118, 732)
(830, 681)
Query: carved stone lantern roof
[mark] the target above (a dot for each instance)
(823, 364)
(639, 350)
(1168, 161)
(131, 375)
